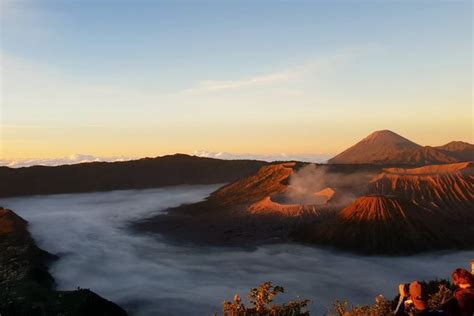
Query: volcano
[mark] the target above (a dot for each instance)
(387, 147)
(376, 224)
(384, 195)
(405, 210)
(447, 188)
(367, 209)
(374, 208)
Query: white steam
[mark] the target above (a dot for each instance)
(311, 179)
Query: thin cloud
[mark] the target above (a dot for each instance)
(20, 19)
(286, 75)
(216, 85)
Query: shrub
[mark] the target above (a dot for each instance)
(381, 307)
(436, 291)
(260, 299)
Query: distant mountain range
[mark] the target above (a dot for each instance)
(387, 147)
(134, 174)
(81, 158)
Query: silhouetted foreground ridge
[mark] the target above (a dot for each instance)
(27, 288)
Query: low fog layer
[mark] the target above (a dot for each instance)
(68, 160)
(150, 277)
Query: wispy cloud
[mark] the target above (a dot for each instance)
(311, 68)
(216, 85)
(21, 19)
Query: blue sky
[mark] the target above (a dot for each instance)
(140, 78)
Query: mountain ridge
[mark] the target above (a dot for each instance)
(143, 173)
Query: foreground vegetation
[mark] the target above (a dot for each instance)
(436, 292)
(261, 299)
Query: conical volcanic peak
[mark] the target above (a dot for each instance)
(375, 223)
(387, 137)
(387, 147)
(378, 208)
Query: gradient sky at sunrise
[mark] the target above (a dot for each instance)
(145, 78)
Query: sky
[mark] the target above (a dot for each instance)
(246, 78)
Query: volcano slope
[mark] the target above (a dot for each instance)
(362, 208)
(255, 209)
(405, 211)
(27, 288)
(223, 218)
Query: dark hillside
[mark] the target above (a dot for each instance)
(135, 174)
(27, 288)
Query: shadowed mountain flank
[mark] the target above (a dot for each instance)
(27, 288)
(462, 151)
